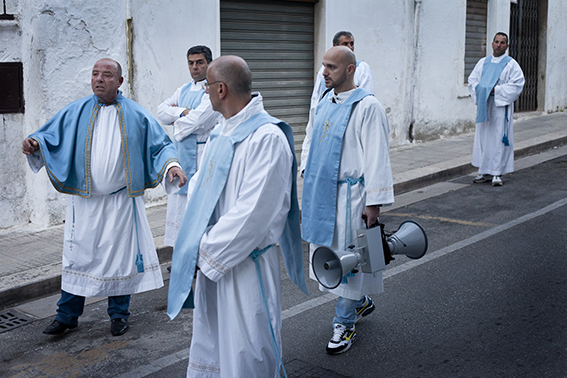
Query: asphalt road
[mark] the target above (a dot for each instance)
(488, 300)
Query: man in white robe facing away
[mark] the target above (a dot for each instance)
(362, 77)
(495, 83)
(104, 150)
(190, 112)
(347, 178)
(242, 200)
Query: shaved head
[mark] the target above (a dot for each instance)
(341, 54)
(234, 72)
(339, 64)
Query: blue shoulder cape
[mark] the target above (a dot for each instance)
(65, 145)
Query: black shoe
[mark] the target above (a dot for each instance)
(57, 328)
(118, 326)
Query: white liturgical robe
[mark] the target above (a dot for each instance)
(103, 232)
(231, 335)
(490, 155)
(199, 121)
(365, 153)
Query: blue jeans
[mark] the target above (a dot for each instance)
(71, 306)
(346, 311)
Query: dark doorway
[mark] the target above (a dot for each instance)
(524, 47)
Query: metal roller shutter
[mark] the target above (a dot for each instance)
(475, 40)
(276, 39)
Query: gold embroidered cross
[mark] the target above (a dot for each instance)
(326, 126)
(212, 164)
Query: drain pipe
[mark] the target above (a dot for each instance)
(415, 63)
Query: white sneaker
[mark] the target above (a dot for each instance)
(496, 181)
(481, 178)
(342, 339)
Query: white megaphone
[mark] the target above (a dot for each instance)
(368, 252)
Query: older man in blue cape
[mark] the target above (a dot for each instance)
(104, 150)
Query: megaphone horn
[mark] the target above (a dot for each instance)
(409, 240)
(330, 267)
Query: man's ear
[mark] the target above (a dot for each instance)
(222, 90)
(351, 68)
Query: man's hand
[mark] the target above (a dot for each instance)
(177, 172)
(370, 215)
(29, 146)
(186, 111)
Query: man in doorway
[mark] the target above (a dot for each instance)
(495, 83)
(105, 150)
(347, 178)
(192, 116)
(242, 200)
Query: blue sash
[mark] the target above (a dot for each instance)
(318, 211)
(202, 204)
(187, 148)
(490, 74)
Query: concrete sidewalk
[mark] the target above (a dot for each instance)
(30, 259)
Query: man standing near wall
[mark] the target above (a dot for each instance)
(104, 150)
(495, 83)
(190, 112)
(241, 201)
(362, 77)
(347, 178)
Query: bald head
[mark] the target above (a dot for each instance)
(229, 84)
(339, 65)
(234, 72)
(341, 54)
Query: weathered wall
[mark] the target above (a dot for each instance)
(12, 169)
(556, 57)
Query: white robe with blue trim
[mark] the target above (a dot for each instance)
(490, 155)
(365, 152)
(231, 335)
(200, 121)
(100, 244)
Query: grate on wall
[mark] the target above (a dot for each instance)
(11, 319)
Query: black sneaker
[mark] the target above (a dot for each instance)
(366, 308)
(342, 339)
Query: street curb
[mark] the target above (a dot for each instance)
(465, 169)
(52, 285)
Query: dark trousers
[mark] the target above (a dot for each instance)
(71, 306)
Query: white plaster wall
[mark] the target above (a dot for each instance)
(162, 36)
(442, 103)
(556, 73)
(12, 169)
